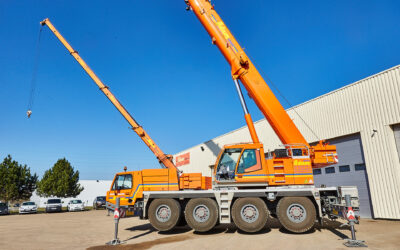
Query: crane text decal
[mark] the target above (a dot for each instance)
(183, 159)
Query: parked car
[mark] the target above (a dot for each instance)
(53, 205)
(76, 205)
(99, 202)
(28, 207)
(4, 208)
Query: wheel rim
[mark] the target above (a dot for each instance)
(163, 213)
(249, 213)
(201, 213)
(296, 213)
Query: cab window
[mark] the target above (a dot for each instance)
(250, 161)
(227, 164)
(123, 181)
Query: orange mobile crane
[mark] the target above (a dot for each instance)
(249, 184)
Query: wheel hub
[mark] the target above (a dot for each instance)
(163, 213)
(296, 213)
(201, 213)
(249, 213)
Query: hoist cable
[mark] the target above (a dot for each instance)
(292, 107)
(34, 71)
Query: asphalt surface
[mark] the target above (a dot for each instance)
(92, 229)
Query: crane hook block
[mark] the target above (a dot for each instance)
(29, 113)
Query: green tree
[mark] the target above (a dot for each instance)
(16, 181)
(61, 181)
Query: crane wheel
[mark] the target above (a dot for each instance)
(201, 214)
(164, 214)
(250, 214)
(296, 214)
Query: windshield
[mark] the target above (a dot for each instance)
(229, 159)
(76, 201)
(101, 198)
(54, 201)
(2, 204)
(29, 203)
(123, 181)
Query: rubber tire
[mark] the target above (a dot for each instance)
(293, 227)
(202, 226)
(175, 214)
(255, 226)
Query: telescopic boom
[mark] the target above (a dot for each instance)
(165, 160)
(244, 70)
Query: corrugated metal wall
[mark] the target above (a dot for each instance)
(369, 107)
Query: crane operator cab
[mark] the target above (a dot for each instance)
(235, 162)
(247, 163)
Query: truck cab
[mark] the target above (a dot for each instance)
(240, 161)
(248, 163)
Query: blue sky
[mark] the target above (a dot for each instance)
(159, 61)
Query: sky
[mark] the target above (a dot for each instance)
(159, 62)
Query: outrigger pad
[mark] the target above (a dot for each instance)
(355, 243)
(115, 242)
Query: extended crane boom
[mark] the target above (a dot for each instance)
(244, 70)
(165, 160)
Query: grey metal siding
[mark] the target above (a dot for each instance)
(351, 157)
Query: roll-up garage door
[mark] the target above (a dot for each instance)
(350, 171)
(396, 130)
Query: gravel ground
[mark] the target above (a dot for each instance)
(92, 229)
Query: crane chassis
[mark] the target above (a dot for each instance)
(328, 202)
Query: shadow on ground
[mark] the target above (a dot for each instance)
(146, 244)
(181, 233)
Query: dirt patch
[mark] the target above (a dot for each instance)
(82, 230)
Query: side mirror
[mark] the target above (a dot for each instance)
(62, 202)
(45, 202)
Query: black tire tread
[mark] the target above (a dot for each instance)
(198, 226)
(308, 224)
(175, 214)
(257, 225)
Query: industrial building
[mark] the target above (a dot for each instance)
(362, 119)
